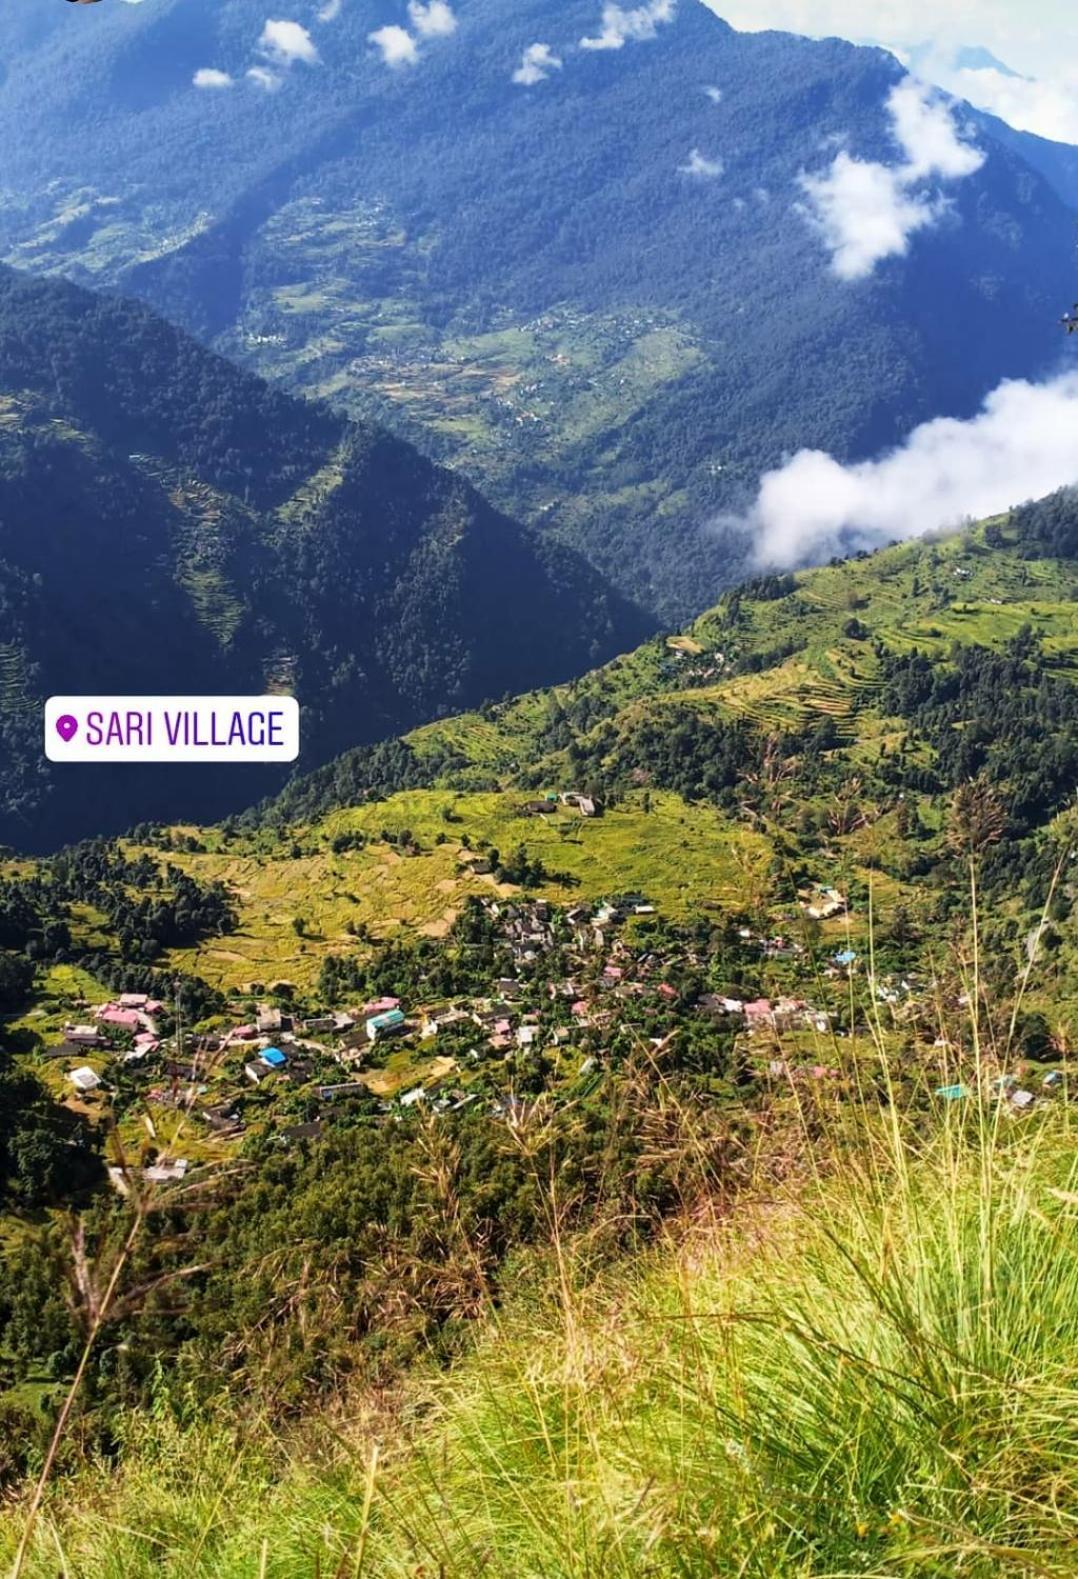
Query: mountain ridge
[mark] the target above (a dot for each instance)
(613, 346)
(165, 515)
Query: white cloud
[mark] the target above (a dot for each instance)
(434, 20)
(1048, 108)
(330, 11)
(287, 42)
(538, 61)
(263, 77)
(863, 214)
(1020, 446)
(866, 211)
(698, 164)
(926, 130)
(714, 94)
(1029, 36)
(1039, 37)
(639, 24)
(209, 77)
(398, 46)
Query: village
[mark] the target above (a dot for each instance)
(565, 993)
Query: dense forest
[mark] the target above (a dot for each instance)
(168, 523)
(531, 282)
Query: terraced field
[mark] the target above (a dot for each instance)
(681, 856)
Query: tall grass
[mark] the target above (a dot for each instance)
(878, 1378)
(870, 1374)
(866, 1365)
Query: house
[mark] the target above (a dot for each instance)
(380, 1006)
(166, 1172)
(790, 1013)
(824, 903)
(538, 808)
(410, 1098)
(584, 804)
(269, 1021)
(391, 1023)
(64, 1050)
(84, 1080)
(715, 1003)
(352, 1088)
(273, 1058)
(1022, 1101)
(527, 1035)
(257, 1072)
(83, 1035)
(760, 1016)
(223, 1120)
(297, 1132)
(1053, 1081)
(120, 1019)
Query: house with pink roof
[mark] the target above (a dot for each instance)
(121, 1019)
(380, 1006)
(760, 1015)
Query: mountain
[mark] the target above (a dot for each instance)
(598, 295)
(908, 674)
(171, 524)
(492, 1033)
(812, 728)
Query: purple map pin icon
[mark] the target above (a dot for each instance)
(67, 728)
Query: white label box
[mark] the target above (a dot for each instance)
(114, 729)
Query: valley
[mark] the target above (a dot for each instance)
(539, 285)
(606, 1110)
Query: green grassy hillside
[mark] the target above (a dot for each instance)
(867, 1369)
(539, 1097)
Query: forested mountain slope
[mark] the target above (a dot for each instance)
(916, 670)
(568, 968)
(840, 726)
(597, 290)
(169, 524)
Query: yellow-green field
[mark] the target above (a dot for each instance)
(679, 855)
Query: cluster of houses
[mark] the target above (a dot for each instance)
(1009, 1090)
(129, 1025)
(569, 978)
